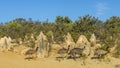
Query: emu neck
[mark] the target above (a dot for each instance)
(36, 49)
(68, 49)
(83, 47)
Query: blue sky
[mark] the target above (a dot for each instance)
(49, 9)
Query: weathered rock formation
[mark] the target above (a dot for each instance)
(97, 46)
(5, 43)
(112, 50)
(93, 39)
(82, 41)
(43, 45)
(94, 45)
(69, 41)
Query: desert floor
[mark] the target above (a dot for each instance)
(12, 60)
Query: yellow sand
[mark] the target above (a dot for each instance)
(12, 60)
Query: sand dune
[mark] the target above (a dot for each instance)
(12, 60)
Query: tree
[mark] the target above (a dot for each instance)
(19, 20)
(59, 20)
(13, 29)
(67, 20)
(86, 25)
(63, 20)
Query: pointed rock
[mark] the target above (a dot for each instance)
(82, 41)
(93, 39)
(69, 41)
(9, 44)
(113, 49)
(43, 45)
(3, 43)
(6, 43)
(97, 46)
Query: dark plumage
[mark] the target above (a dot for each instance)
(29, 58)
(30, 52)
(76, 52)
(62, 52)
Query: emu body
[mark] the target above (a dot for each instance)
(76, 52)
(100, 53)
(30, 52)
(63, 53)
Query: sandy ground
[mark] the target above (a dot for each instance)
(12, 60)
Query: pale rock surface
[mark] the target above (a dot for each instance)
(93, 39)
(82, 41)
(69, 41)
(5, 43)
(97, 46)
(43, 45)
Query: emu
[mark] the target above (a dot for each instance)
(76, 53)
(100, 53)
(62, 52)
(31, 52)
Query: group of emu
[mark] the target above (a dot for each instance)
(68, 53)
(73, 53)
(77, 53)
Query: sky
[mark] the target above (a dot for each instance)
(48, 9)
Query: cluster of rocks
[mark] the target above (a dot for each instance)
(44, 47)
(6, 43)
(91, 45)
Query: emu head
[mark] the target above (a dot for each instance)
(84, 47)
(36, 49)
(68, 47)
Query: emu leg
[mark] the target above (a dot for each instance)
(74, 57)
(29, 58)
(59, 58)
